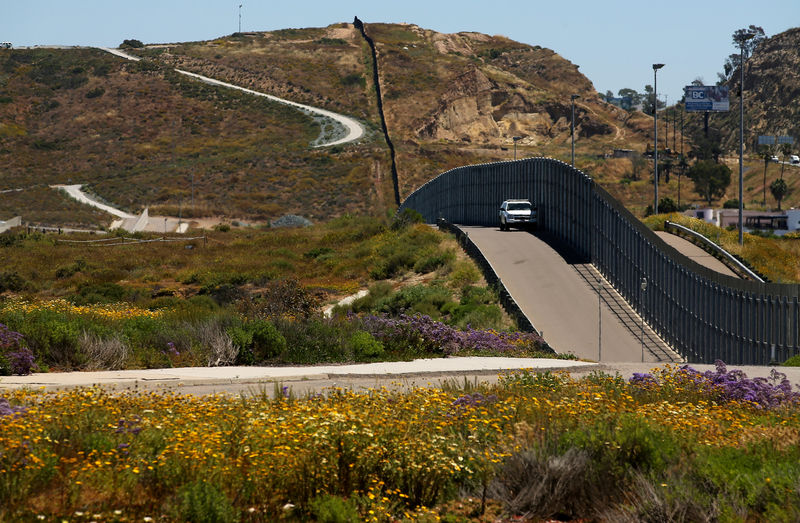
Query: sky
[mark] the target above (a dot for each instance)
(614, 43)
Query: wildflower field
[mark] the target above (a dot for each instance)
(674, 445)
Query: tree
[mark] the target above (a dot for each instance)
(682, 166)
(638, 164)
(647, 100)
(706, 147)
(666, 168)
(778, 188)
(711, 179)
(635, 97)
(132, 43)
(741, 40)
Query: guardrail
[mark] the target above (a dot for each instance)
(702, 314)
(728, 258)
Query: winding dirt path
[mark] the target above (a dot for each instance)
(354, 129)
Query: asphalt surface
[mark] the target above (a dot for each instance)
(695, 253)
(561, 299)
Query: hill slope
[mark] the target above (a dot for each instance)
(138, 134)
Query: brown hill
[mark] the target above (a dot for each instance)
(137, 133)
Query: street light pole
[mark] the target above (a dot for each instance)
(744, 38)
(572, 127)
(240, 18)
(656, 67)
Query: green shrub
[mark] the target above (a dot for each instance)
(416, 298)
(431, 261)
(464, 274)
(794, 361)
(95, 93)
(268, 342)
(378, 291)
(316, 340)
(405, 218)
(54, 339)
(333, 509)
(89, 293)
(11, 281)
(73, 268)
(365, 346)
(203, 502)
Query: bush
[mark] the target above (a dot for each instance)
(267, 341)
(417, 298)
(405, 218)
(794, 361)
(731, 204)
(11, 281)
(109, 353)
(538, 484)
(132, 43)
(667, 205)
(333, 509)
(365, 346)
(201, 502)
(95, 93)
(464, 274)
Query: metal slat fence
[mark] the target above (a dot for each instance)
(702, 314)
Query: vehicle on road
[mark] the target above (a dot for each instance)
(5, 45)
(794, 159)
(774, 159)
(517, 213)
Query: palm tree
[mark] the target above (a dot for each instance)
(766, 155)
(779, 190)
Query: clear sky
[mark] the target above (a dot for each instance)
(615, 43)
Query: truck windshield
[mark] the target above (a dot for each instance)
(519, 207)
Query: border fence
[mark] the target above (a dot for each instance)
(702, 314)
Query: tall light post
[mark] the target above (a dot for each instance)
(516, 139)
(240, 18)
(656, 67)
(745, 37)
(572, 127)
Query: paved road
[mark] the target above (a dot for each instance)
(300, 381)
(562, 303)
(694, 252)
(354, 129)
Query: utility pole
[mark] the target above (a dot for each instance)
(240, 18)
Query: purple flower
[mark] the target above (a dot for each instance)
(734, 385)
(6, 409)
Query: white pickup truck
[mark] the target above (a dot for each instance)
(517, 213)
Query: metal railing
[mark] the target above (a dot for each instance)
(702, 314)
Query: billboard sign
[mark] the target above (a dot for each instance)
(766, 140)
(785, 139)
(703, 98)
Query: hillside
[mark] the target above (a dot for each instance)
(139, 134)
